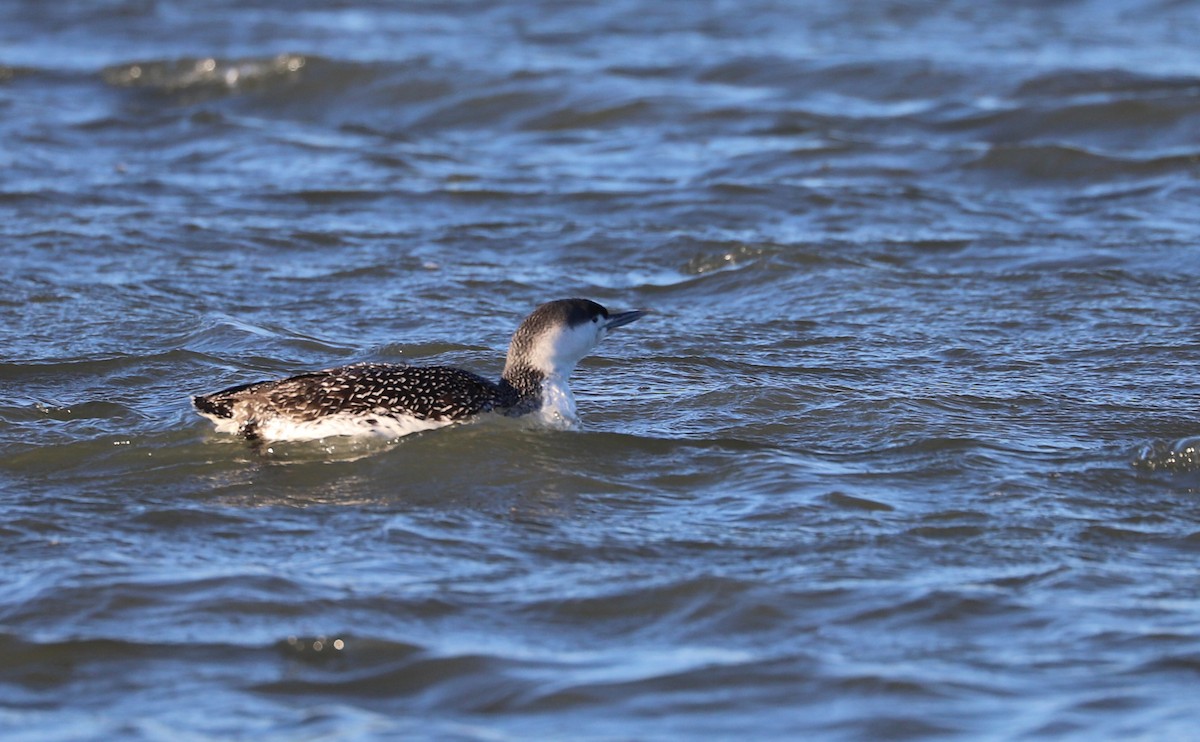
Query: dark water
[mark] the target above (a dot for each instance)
(907, 450)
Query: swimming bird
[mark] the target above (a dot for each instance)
(395, 399)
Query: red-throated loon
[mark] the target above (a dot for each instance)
(396, 399)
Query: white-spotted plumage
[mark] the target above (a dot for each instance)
(397, 399)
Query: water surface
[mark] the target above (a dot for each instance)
(908, 448)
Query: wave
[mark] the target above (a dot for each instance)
(1052, 164)
(205, 74)
(1179, 456)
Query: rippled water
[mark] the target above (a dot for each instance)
(908, 448)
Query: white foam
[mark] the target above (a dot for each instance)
(558, 405)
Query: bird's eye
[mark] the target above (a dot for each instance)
(596, 319)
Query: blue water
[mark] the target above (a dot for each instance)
(908, 448)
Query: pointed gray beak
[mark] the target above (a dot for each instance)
(624, 318)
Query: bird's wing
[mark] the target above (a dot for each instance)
(423, 392)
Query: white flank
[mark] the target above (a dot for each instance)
(223, 424)
(283, 429)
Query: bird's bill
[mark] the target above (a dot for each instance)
(624, 318)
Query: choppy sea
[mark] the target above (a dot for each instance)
(907, 450)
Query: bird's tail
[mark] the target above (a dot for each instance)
(213, 404)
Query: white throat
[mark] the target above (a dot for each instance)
(558, 352)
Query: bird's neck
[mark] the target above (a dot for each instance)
(522, 388)
(532, 390)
